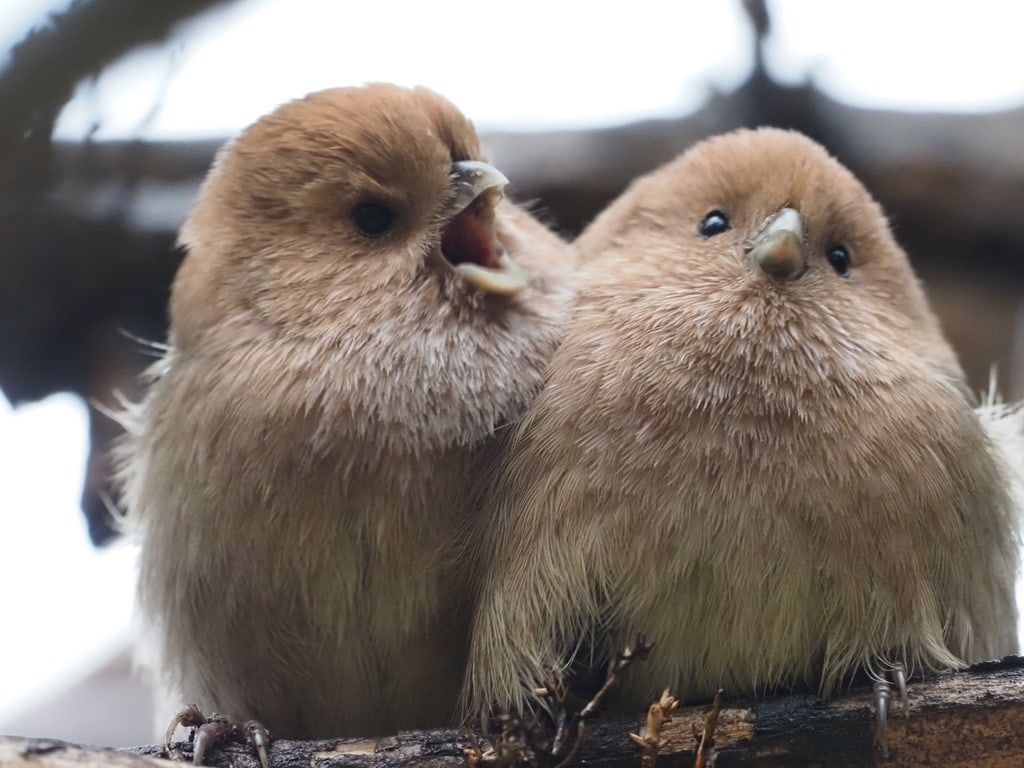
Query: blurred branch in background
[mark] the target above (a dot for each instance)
(69, 281)
(45, 67)
(87, 244)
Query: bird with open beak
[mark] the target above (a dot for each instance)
(358, 313)
(754, 446)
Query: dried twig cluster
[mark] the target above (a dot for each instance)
(650, 741)
(550, 738)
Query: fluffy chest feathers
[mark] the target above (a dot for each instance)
(806, 482)
(754, 445)
(300, 521)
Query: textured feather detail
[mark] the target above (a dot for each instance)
(314, 441)
(779, 479)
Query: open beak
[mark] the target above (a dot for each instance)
(779, 250)
(470, 242)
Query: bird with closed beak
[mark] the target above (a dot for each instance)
(358, 315)
(754, 446)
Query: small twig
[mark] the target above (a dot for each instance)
(521, 744)
(620, 663)
(564, 720)
(474, 753)
(650, 742)
(707, 738)
(570, 727)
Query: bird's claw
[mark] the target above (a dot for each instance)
(189, 717)
(899, 678)
(882, 693)
(259, 739)
(216, 729)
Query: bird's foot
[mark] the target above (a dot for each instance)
(882, 694)
(216, 729)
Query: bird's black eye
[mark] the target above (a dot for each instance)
(839, 258)
(715, 223)
(373, 219)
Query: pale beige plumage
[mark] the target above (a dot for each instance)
(311, 443)
(773, 471)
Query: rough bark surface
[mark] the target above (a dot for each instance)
(972, 718)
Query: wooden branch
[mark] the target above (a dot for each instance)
(43, 69)
(971, 718)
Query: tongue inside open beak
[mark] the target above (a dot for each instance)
(469, 242)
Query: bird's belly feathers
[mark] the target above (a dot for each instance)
(313, 622)
(795, 582)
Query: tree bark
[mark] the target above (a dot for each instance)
(973, 718)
